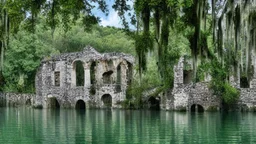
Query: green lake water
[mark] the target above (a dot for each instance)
(33, 126)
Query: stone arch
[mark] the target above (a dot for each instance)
(80, 104)
(28, 102)
(196, 108)
(53, 103)
(154, 103)
(78, 74)
(107, 100)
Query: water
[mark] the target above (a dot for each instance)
(32, 126)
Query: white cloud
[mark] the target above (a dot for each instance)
(112, 20)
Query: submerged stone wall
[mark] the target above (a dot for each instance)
(16, 99)
(105, 79)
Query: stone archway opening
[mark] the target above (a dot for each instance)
(80, 104)
(197, 108)
(107, 100)
(53, 103)
(28, 102)
(154, 103)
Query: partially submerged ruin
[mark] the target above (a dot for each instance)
(83, 79)
(89, 79)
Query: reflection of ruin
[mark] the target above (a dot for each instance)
(83, 79)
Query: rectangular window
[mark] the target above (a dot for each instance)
(57, 78)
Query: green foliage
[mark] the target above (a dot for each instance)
(22, 59)
(108, 39)
(230, 94)
(218, 83)
(202, 70)
(150, 80)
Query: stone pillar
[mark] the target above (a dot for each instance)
(87, 78)
(178, 72)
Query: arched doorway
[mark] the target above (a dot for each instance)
(53, 103)
(107, 100)
(80, 104)
(154, 103)
(28, 102)
(197, 108)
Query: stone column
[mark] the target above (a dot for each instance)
(178, 72)
(87, 76)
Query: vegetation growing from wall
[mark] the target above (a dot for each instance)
(221, 87)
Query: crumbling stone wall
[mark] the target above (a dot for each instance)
(247, 100)
(67, 93)
(183, 96)
(16, 99)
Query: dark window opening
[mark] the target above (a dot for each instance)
(92, 72)
(197, 108)
(107, 100)
(80, 104)
(57, 78)
(118, 78)
(187, 76)
(244, 83)
(79, 73)
(107, 77)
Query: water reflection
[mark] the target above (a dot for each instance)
(25, 125)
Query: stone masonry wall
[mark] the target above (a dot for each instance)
(67, 93)
(247, 99)
(183, 96)
(16, 99)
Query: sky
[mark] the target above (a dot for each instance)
(112, 19)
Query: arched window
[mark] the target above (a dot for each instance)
(79, 73)
(129, 73)
(118, 78)
(92, 72)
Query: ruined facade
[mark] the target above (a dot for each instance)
(83, 79)
(188, 96)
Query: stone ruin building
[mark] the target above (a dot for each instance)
(89, 79)
(199, 97)
(84, 79)
(186, 96)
